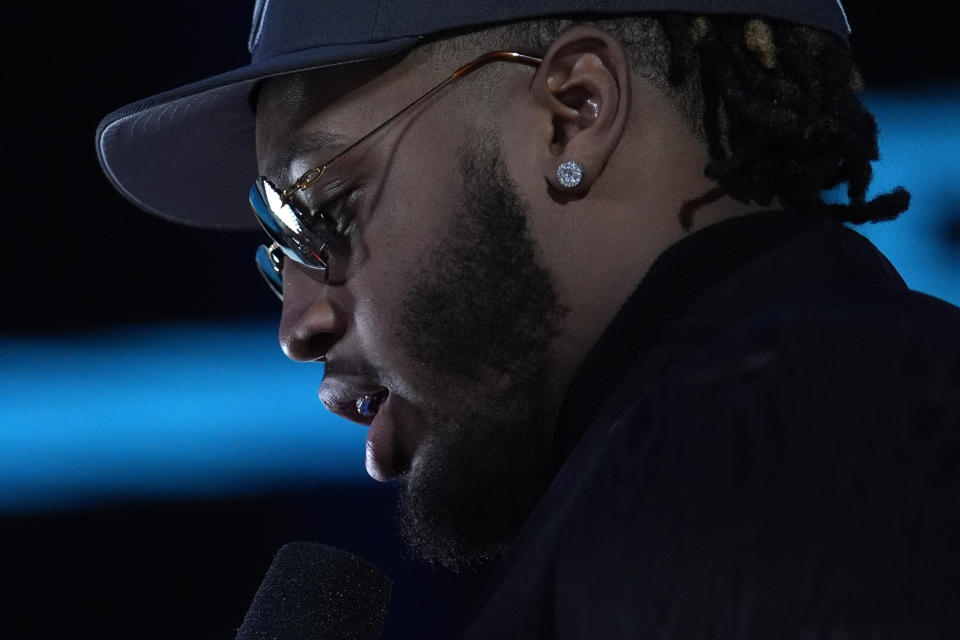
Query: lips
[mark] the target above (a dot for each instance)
(354, 400)
(357, 400)
(383, 446)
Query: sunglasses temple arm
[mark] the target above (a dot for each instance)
(459, 73)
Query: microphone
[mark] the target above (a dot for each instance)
(312, 591)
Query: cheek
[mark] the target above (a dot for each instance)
(376, 305)
(411, 211)
(409, 215)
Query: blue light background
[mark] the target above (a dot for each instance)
(163, 411)
(920, 149)
(213, 410)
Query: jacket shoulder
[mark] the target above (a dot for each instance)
(801, 466)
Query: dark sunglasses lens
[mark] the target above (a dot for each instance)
(270, 268)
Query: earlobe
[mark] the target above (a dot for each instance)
(584, 84)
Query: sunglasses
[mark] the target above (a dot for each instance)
(307, 237)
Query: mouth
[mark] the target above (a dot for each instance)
(370, 406)
(356, 403)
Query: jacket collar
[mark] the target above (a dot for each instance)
(717, 274)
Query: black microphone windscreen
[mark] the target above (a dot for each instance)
(313, 591)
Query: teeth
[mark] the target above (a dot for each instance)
(367, 405)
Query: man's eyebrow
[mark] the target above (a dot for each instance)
(316, 142)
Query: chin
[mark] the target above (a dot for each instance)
(471, 489)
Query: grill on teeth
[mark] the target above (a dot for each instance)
(366, 406)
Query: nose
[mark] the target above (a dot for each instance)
(311, 322)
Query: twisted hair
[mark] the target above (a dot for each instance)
(781, 114)
(775, 102)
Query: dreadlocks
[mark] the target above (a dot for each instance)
(775, 102)
(781, 114)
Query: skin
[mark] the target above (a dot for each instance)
(474, 394)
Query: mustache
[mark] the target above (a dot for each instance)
(348, 367)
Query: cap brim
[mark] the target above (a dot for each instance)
(188, 154)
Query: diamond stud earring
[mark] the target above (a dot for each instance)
(570, 173)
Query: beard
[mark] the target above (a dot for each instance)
(479, 322)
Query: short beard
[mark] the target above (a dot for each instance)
(479, 322)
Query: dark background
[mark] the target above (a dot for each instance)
(78, 256)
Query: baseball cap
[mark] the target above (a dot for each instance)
(188, 154)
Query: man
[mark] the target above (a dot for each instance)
(589, 300)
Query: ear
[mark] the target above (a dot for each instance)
(584, 84)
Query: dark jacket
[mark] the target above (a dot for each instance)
(764, 444)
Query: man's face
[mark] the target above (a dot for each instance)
(440, 311)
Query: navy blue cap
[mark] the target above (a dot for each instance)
(188, 154)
